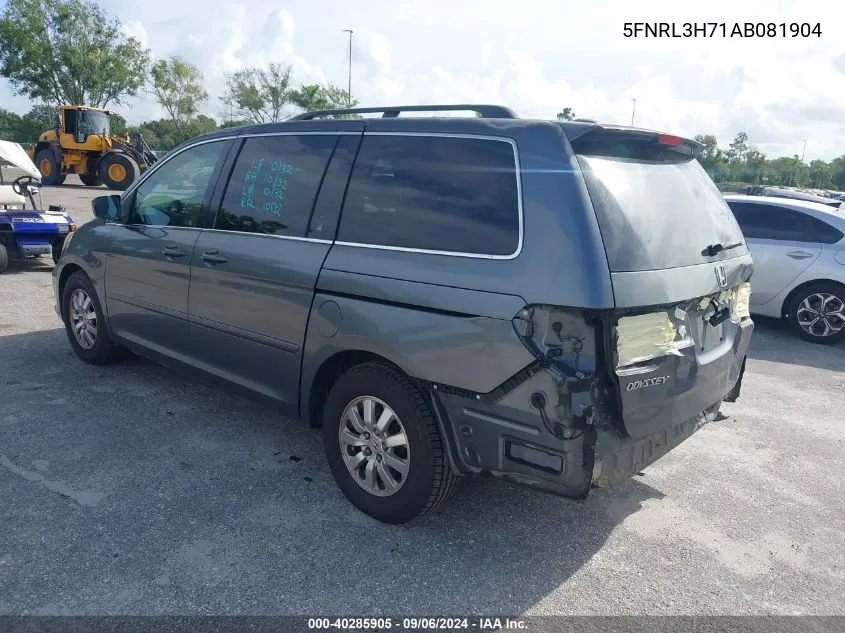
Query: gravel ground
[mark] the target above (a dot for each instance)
(131, 490)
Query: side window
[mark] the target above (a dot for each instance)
(771, 222)
(174, 193)
(433, 193)
(825, 233)
(274, 184)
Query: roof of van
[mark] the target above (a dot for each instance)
(489, 119)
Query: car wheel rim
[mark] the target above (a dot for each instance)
(117, 172)
(374, 446)
(83, 319)
(821, 314)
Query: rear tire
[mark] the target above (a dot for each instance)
(80, 310)
(91, 180)
(4, 258)
(428, 479)
(817, 313)
(118, 171)
(49, 167)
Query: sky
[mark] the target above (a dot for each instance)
(535, 56)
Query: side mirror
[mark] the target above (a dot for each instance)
(106, 207)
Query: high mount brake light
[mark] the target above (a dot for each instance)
(668, 139)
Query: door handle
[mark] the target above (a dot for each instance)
(212, 257)
(799, 254)
(173, 251)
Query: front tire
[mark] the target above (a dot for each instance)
(118, 171)
(84, 323)
(383, 445)
(4, 258)
(817, 313)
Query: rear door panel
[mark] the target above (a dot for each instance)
(251, 292)
(777, 265)
(783, 243)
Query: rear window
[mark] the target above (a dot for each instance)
(435, 193)
(274, 183)
(771, 222)
(826, 233)
(656, 206)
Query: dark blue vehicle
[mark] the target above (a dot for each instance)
(27, 233)
(557, 304)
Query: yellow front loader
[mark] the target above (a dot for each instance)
(81, 143)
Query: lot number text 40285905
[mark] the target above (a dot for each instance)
(722, 29)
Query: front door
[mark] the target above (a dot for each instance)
(253, 275)
(148, 267)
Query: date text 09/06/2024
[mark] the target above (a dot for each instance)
(722, 29)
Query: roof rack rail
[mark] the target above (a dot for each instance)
(391, 112)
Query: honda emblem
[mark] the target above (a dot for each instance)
(721, 277)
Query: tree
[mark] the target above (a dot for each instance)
(163, 134)
(791, 172)
(69, 51)
(9, 125)
(738, 148)
(754, 168)
(45, 114)
(337, 97)
(177, 86)
(118, 125)
(567, 114)
(710, 154)
(234, 123)
(837, 172)
(821, 175)
(317, 97)
(21, 129)
(260, 95)
(202, 124)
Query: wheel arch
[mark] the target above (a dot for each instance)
(50, 145)
(790, 297)
(328, 373)
(64, 275)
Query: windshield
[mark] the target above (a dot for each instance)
(92, 122)
(655, 215)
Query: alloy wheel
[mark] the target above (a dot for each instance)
(83, 319)
(374, 446)
(821, 314)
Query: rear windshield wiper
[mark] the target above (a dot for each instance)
(715, 249)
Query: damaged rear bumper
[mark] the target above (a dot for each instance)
(501, 437)
(616, 461)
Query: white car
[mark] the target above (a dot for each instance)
(799, 262)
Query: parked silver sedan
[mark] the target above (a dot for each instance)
(799, 255)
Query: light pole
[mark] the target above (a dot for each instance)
(349, 73)
(633, 112)
(804, 151)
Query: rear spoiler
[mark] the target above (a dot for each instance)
(591, 139)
